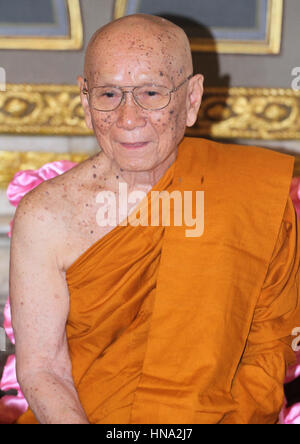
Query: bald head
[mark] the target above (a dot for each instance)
(126, 56)
(141, 36)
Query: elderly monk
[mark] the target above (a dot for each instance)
(135, 323)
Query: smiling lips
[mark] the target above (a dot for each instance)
(134, 146)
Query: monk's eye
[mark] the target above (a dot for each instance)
(106, 93)
(109, 95)
(151, 93)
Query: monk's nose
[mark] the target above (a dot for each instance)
(131, 115)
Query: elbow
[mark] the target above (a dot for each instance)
(29, 376)
(26, 376)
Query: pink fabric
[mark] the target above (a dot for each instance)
(27, 180)
(291, 415)
(7, 323)
(11, 407)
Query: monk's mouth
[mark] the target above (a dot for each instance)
(134, 146)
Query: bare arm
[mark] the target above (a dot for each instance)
(40, 304)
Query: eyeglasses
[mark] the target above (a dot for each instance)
(149, 97)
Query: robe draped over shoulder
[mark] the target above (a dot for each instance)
(165, 328)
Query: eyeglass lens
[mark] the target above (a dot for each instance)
(149, 97)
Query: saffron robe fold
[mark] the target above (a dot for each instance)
(165, 328)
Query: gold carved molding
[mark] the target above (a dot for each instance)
(249, 113)
(41, 109)
(227, 113)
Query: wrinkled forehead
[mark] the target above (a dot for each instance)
(159, 50)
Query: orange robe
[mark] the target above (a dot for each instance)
(165, 328)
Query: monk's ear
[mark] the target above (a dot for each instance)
(84, 101)
(194, 99)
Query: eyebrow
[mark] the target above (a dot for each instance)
(153, 83)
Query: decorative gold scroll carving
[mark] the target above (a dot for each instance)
(41, 109)
(244, 113)
(249, 113)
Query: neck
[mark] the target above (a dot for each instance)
(143, 180)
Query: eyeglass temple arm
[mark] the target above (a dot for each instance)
(85, 90)
(179, 86)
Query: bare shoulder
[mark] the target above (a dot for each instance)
(60, 214)
(54, 199)
(44, 208)
(40, 208)
(37, 228)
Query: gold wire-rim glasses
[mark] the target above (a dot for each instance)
(86, 92)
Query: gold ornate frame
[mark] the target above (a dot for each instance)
(270, 46)
(72, 42)
(244, 113)
(249, 113)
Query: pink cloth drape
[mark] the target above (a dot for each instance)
(291, 415)
(25, 181)
(11, 407)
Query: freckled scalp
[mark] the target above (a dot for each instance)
(146, 35)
